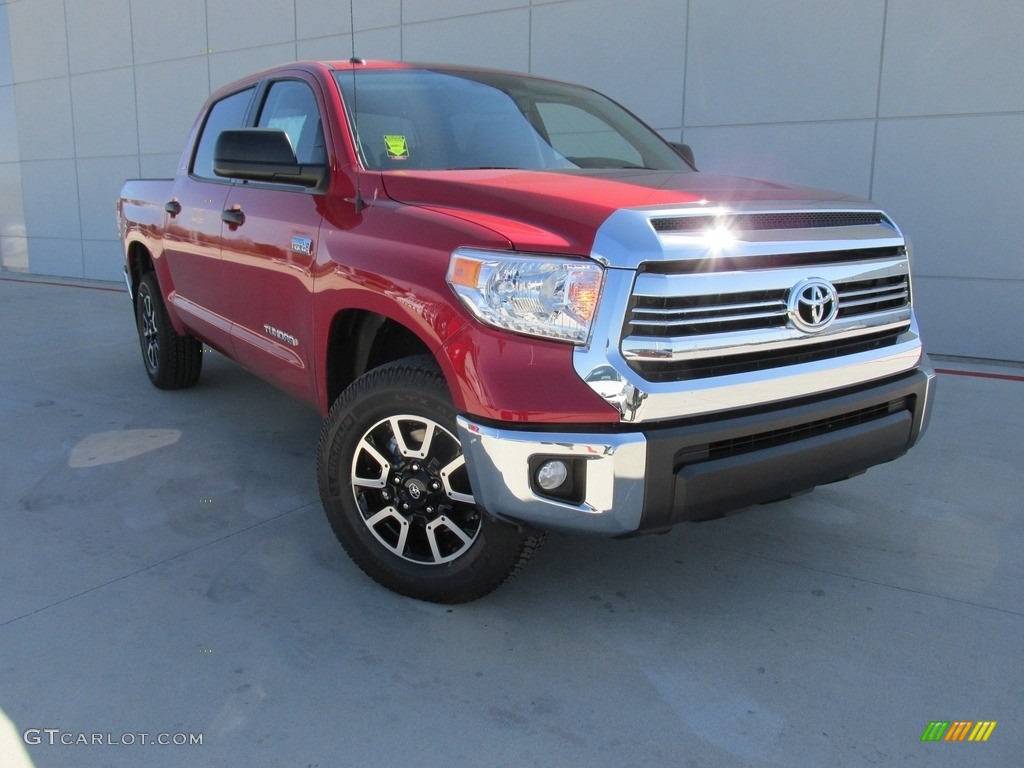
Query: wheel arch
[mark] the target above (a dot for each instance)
(139, 262)
(361, 340)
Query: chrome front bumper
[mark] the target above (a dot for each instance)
(665, 474)
(497, 460)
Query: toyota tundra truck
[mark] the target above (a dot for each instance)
(519, 310)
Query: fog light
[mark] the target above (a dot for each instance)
(552, 474)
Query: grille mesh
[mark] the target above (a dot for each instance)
(736, 446)
(762, 221)
(771, 261)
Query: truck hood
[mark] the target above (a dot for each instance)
(561, 211)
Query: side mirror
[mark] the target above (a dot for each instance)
(263, 154)
(685, 151)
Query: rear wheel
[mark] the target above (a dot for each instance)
(395, 487)
(172, 361)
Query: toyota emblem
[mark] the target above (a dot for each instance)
(813, 304)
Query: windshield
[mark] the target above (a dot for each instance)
(438, 120)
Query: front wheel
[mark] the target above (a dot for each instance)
(396, 491)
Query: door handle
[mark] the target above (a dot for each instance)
(233, 216)
(173, 207)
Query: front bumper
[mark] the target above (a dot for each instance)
(649, 479)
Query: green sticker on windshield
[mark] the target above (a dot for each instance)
(397, 146)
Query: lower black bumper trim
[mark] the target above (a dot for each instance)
(778, 452)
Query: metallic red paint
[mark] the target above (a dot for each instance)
(223, 283)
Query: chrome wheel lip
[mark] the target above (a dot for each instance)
(413, 496)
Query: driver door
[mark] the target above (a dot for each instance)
(269, 241)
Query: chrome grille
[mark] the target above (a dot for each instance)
(862, 297)
(685, 321)
(694, 316)
(674, 316)
(686, 315)
(792, 354)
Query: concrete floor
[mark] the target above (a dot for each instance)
(166, 568)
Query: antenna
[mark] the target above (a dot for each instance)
(359, 203)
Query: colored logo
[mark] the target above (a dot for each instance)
(398, 148)
(958, 730)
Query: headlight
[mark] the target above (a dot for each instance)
(537, 295)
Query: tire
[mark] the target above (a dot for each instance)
(394, 485)
(172, 361)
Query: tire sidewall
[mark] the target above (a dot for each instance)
(179, 359)
(360, 408)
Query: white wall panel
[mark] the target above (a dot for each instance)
(93, 46)
(632, 52)
(104, 113)
(12, 213)
(44, 119)
(162, 30)
(9, 151)
(425, 10)
(38, 39)
(99, 184)
(782, 61)
(948, 57)
(971, 317)
(169, 96)
(13, 243)
(832, 155)
(384, 43)
(235, 24)
(50, 192)
(6, 74)
(14, 254)
(159, 166)
(54, 256)
(319, 18)
(227, 67)
(956, 185)
(499, 40)
(103, 260)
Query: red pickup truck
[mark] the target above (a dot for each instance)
(519, 310)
